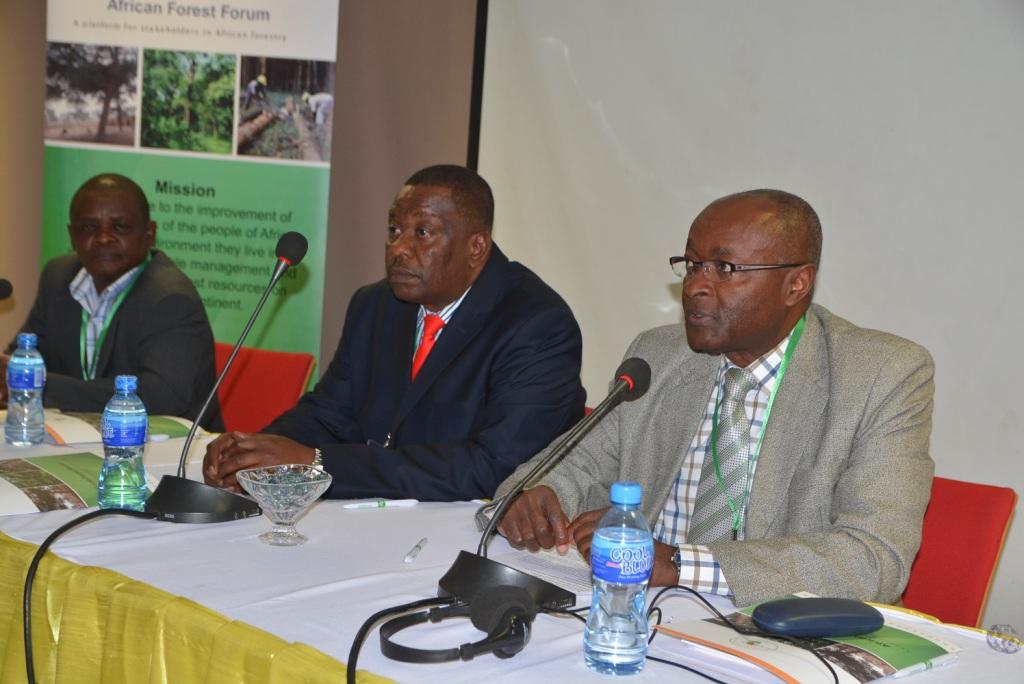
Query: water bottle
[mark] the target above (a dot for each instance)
(124, 427)
(26, 376)
(621, 557)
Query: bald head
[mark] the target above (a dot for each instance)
(106, 182)
(744, 313)
(797, 230)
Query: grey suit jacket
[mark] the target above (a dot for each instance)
(842, 479)
(160, 333)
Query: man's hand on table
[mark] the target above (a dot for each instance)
(535, 521)
(234, 451)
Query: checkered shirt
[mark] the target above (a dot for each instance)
(699, 568)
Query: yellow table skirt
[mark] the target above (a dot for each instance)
(91, 624)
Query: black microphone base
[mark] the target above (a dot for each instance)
(177, 499)
(471, 574)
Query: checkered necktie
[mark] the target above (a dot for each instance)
(712, 518)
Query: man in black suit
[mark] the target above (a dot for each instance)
(391, 419)
(117, 306)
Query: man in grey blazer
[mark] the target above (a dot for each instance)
(118, 306)
(835, 472)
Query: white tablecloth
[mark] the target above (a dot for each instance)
(321, 592)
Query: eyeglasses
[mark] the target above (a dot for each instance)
(717, 271)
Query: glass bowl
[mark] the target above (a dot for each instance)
(284, 492)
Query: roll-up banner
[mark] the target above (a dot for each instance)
(222, 113)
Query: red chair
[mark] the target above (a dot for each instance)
(965, 527)
(260, 386)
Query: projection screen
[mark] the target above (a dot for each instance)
(607, 126)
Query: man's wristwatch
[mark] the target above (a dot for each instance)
(677, 560)
(318, 459)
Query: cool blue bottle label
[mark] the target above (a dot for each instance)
(22, 378)
(124, 434)
(621, 562)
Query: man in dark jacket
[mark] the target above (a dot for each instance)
(117, 306)
(398, 415)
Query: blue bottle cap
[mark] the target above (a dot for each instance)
(626, 493)
(27, 340)
(126, 383)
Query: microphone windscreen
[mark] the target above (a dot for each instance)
(5, 288)
(291, 247)
(493, 607)
(637, 374)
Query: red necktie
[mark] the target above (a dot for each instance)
(432, 325)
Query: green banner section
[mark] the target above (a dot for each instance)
(80, 472)
(219, 219)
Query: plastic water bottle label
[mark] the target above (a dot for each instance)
(124, 433)
(621, 562)
(25, 378)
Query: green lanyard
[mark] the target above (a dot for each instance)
(89, 369)
(736, 512)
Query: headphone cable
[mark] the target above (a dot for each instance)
(758, 633)
(364, 630)
(26, 605)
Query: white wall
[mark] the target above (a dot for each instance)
(608, 125)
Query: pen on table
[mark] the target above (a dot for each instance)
(415, 551)
(383, 503)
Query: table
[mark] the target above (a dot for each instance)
(320, 593)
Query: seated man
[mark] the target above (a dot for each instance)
(780, 447)
(117, 306)
(400, 415)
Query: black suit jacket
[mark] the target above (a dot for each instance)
(160, 333)
(501, 382)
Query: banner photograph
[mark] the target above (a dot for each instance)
(213, 110)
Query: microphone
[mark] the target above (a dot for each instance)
(291, 247)
(178, 499)
(5, 289)
(500, 600)
(472, 573)
(632, 379)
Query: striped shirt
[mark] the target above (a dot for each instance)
(446, 315)
(699, 568)
(97, 305)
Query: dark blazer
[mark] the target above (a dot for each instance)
(160, 333)
(500, 383)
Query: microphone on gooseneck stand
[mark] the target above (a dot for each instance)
(499, 600)
(176, 499)
(179, 499)
(632, 379)
(5, 289)
(474, 572)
